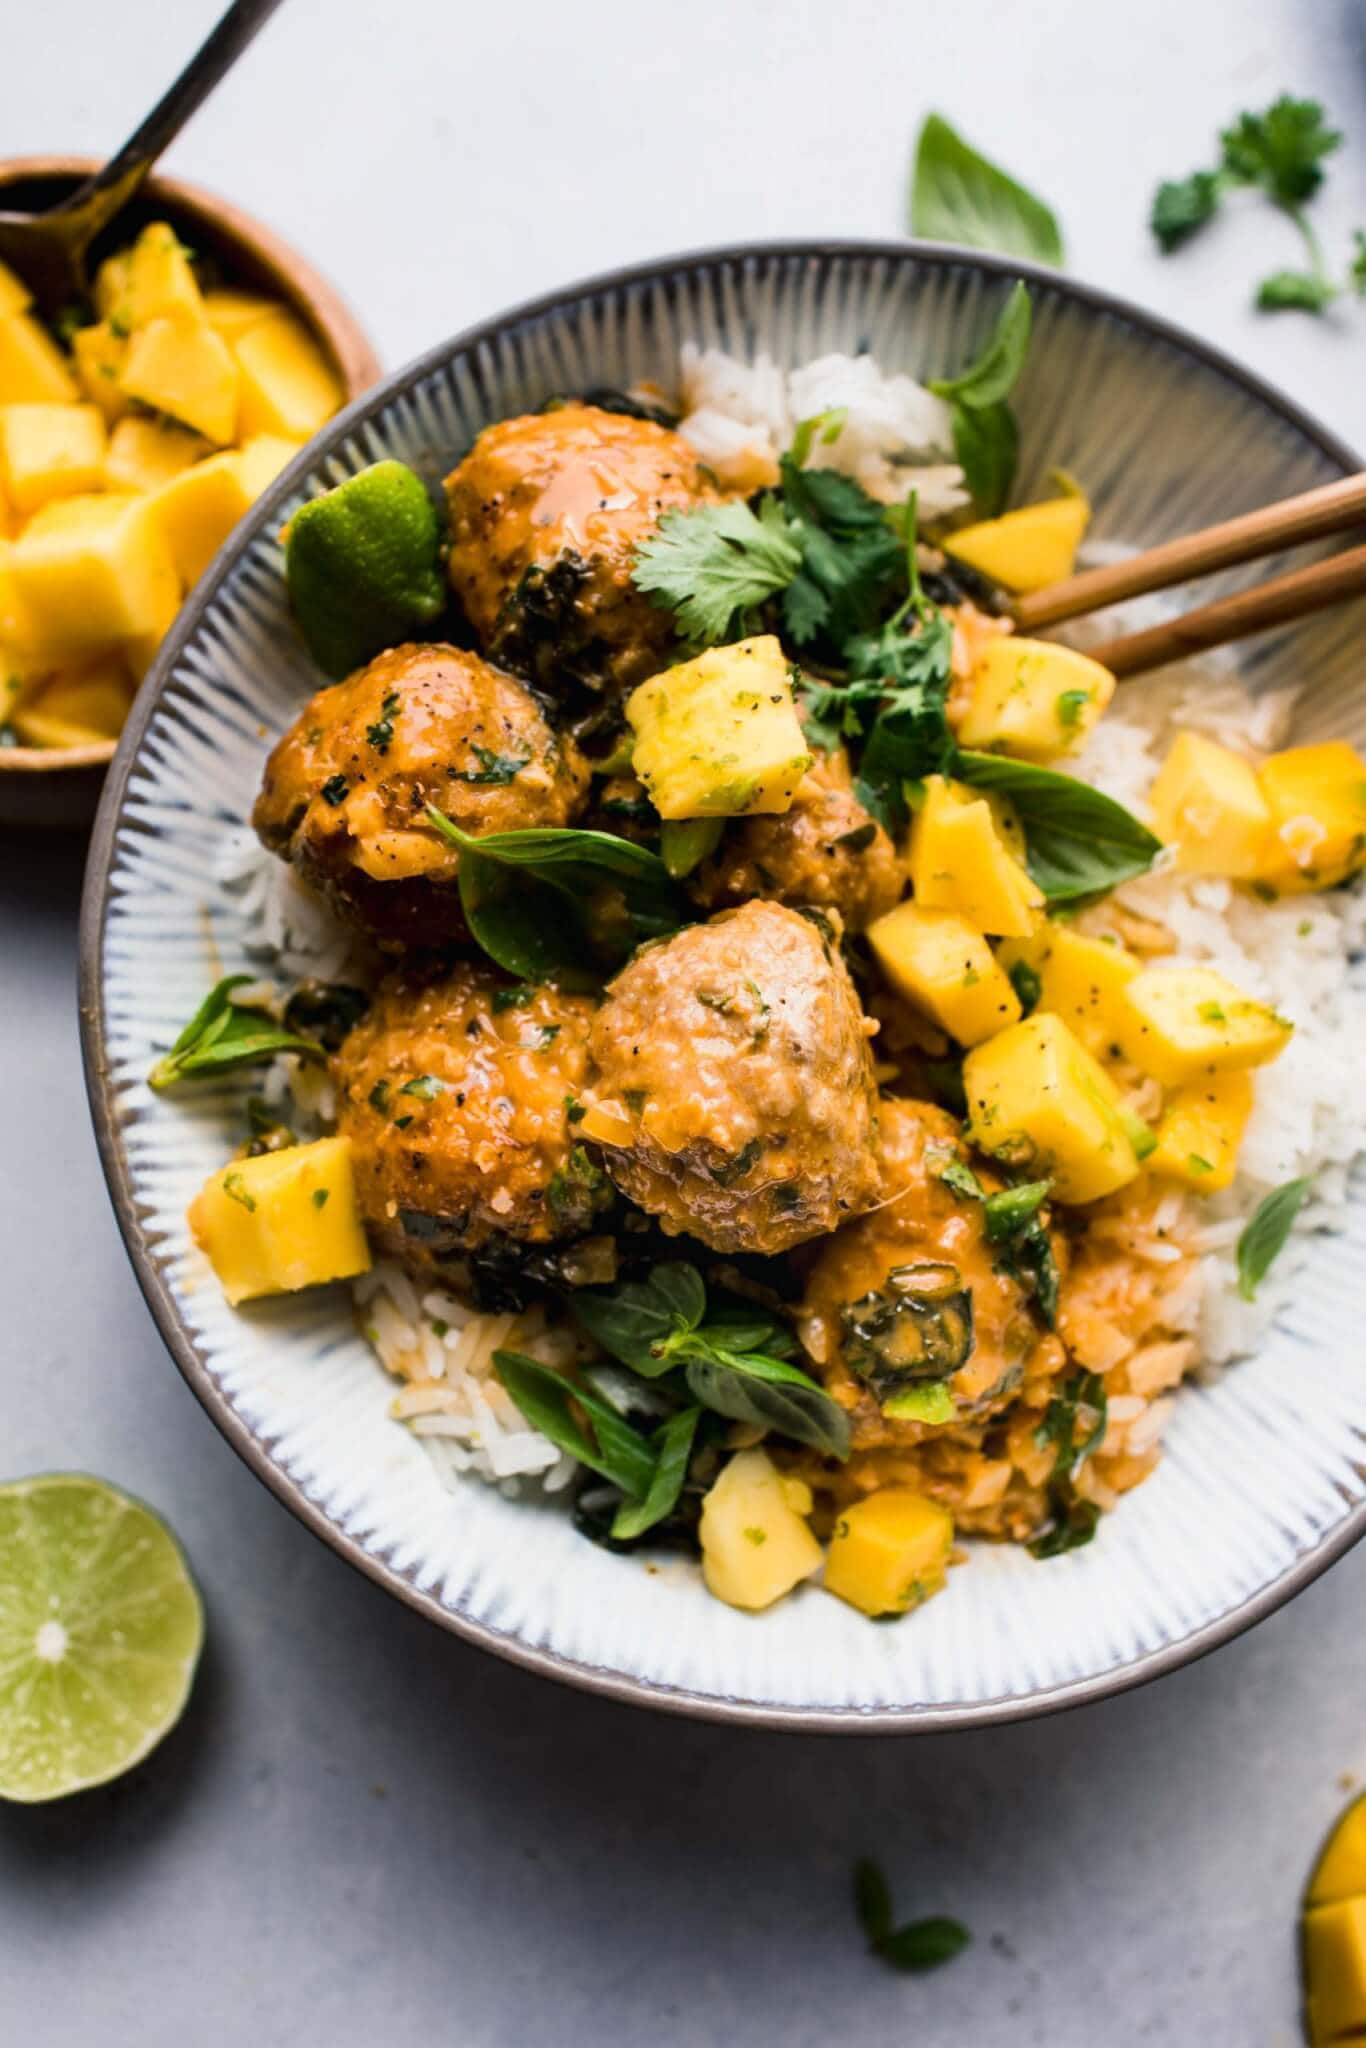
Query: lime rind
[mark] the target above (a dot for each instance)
(363, 566)
(100, 1630)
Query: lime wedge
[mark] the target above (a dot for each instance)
(363, 566)
(100, 1628)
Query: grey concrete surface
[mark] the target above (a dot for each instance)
(363, 1833)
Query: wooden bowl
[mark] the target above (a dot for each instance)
(59, 787)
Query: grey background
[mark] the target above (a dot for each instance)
(363, 1832)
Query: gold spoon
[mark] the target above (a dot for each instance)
(48, 250)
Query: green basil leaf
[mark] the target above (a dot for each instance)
(561, 902)
(684, 843)
(635, 1323)
(223, 1035)
(992, 376)
(1265, 1235)
(547, 1400)
(872, 1901)
(924, 1945)
(749, 1387)
(674, 1448)
(987, 444)
(681, 1286)
(958, 195)
(1079, 842)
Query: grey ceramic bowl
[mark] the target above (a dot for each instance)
(1264, 1479)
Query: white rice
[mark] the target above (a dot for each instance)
(895, 436)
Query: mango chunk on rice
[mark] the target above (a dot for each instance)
(283, 1221)
(1317, 799)
(940, 963)
(1081, 980)
(1200, 1130)
(960, 862)
(719, 736)
(1209, 804)
(1038, 1101)
(1026, 549)
(756, 1543)
(1186, 1022)
(890, 1552)
(1034, 699)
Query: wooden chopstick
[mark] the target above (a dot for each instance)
(1236, 618)
(1331, 508)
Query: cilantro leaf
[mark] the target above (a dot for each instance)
(1182, 206)
(850, 555)
(715, 566)
(1295, 291)
(1281, 150)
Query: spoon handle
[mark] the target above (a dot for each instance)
(100, 198)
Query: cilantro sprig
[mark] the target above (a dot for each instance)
(917, 1946)
(1279, 152)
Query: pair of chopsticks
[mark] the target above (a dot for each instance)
(1332, 508)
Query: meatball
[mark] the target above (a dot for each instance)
(827, 850)
(739, 1054)
(456, 1094)
(346, 787)
(914, 1292)
(546, 514)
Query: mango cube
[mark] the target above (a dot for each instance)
(719, 737)
(1028, 549)
(140, 650)
(1034, 699)
(756, 1542)
(99, 356)
(94, 696)
(232, 313)
(144, 454)
(1341, 1868)
(159, 282)
(283, 1221)
(261, 458)
(1200, 1130)
(111, 284)
(1185, 1023)
(890, 1552)
(15, 296)
(1039, 1101)
(185, 370)
(1335, 1970)
(33, 370)
(1317, 799)
(50, 451)
(288, 385)
(937, 961)
(20, 653)
(198, 509)
(1208, 803)
(1081, 980)
(959, 862)
(88, 571)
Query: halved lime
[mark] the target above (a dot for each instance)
(363, 566)
(100, 1629)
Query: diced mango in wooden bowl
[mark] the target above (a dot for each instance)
(130, 446)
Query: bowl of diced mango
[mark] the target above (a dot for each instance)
(134, 434)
